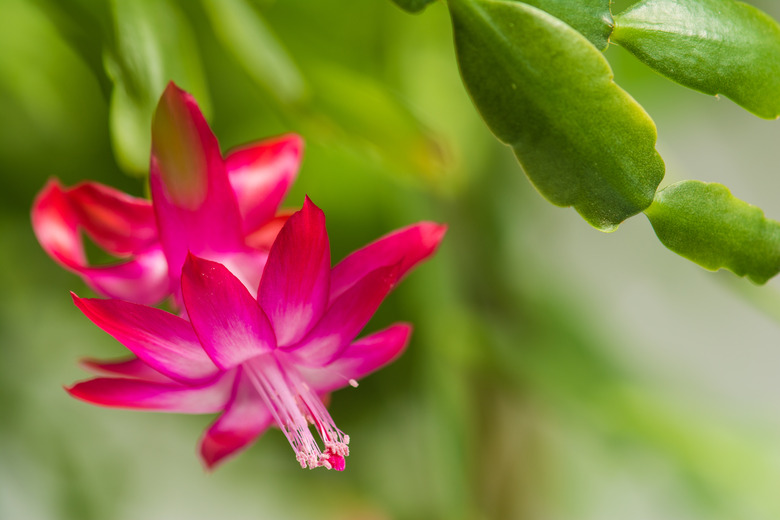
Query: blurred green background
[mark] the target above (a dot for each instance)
(555, 372)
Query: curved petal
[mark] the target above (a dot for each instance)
(164, 341)
(244, 420)
(127, 368)
(359, 359)
(117, 222)
(57, 220)
(264, 236)
(247, 266)
(294, 289)
(261, 174)
(346, 317)
(195, 205)
(142, 280)
(228, 320)
(154, 396)
(56, 225)
(409, 246)
(114, 220)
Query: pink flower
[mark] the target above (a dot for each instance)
(222, 209)
(265, 360)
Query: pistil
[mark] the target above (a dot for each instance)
(294, 406)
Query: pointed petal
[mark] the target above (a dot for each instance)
(261, 174)
(294, 288)
(127, 368)
(409, 246)
(230, 324)
(117, 222)
(145, 395)
(160, 339)
(359, 359)
(195, 205)
(244, 420)
(346, 317)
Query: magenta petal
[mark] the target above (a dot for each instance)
(195, 205)
(346, 317)
(409, 246)
(359, 359)
(263, 237)
(130, 367)
(162, 340)
(261, 174)
(294, 288)
(247, 266)
(230, 324)
(145, 395)
(117, 222)
(244, 420)
(56, 225)
(141, 280)
(114, 220)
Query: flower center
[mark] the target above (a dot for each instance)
(295, 406)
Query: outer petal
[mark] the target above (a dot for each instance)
(346, 317)
(230, 324)
(131, 367)
(261, 173)
(195, 205)
(294, 289)
(244, 420)
(264, 237)
(111, 218)
(56, 225)
(154, 396)
(359, 359)
(117, 222)
(162, 340)
(142, 280)
(409, 246)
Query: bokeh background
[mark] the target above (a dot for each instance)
(555, 372)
